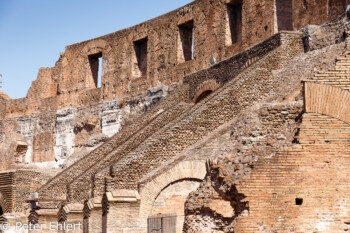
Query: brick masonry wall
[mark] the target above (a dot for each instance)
(289, 190)
(256, 134)
(70, 85)
(160, 148)
(311, 172)
(285, 77)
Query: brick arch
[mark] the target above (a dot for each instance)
(186, 170)
(96, 46)
(327, 100)
(210, 85)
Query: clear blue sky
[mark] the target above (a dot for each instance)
(34, 32)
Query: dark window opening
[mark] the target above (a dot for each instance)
(140, 47)
(234, 14)
(284, 15)
(203, 96)
(186, 31)
(95, 61)
(299, 201)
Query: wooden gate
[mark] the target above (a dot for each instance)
(162, 223)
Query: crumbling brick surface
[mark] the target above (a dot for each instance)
(165, 100)
(72, 83)
(259, 139)
(255, 135)
(126, 140)
(194, 125)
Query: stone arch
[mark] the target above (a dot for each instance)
(204, 89)
(96, 46)
(186, 170)
(96, 53)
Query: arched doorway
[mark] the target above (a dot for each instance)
(164, 196)
(168, 210)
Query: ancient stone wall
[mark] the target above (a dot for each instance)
(185, 131)
(212, 110)
(282, 190)
(51, 137)
(137, 59)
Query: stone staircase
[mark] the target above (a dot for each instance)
(56, 188)
(193, 125)
(336, 77)
(81, 186)
(167, 129)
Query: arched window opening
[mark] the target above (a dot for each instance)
(204, 95)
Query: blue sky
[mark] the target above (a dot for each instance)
(34, 32)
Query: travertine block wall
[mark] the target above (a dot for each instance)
(123, 217)
(93, 215)
(53, 136)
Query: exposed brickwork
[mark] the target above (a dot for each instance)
(71, 83)
(137, 145)
(280, 192)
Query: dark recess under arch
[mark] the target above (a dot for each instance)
(203, 95)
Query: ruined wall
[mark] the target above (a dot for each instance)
(72, 82)
(52, 118)
(16, 187)
(270, 169)
(66, 113)
(51, 137)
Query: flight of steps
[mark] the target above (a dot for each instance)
(192, 126)
(148, 123)
(136, 151)
(336, 77)
(80, 187)
(123, 172)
